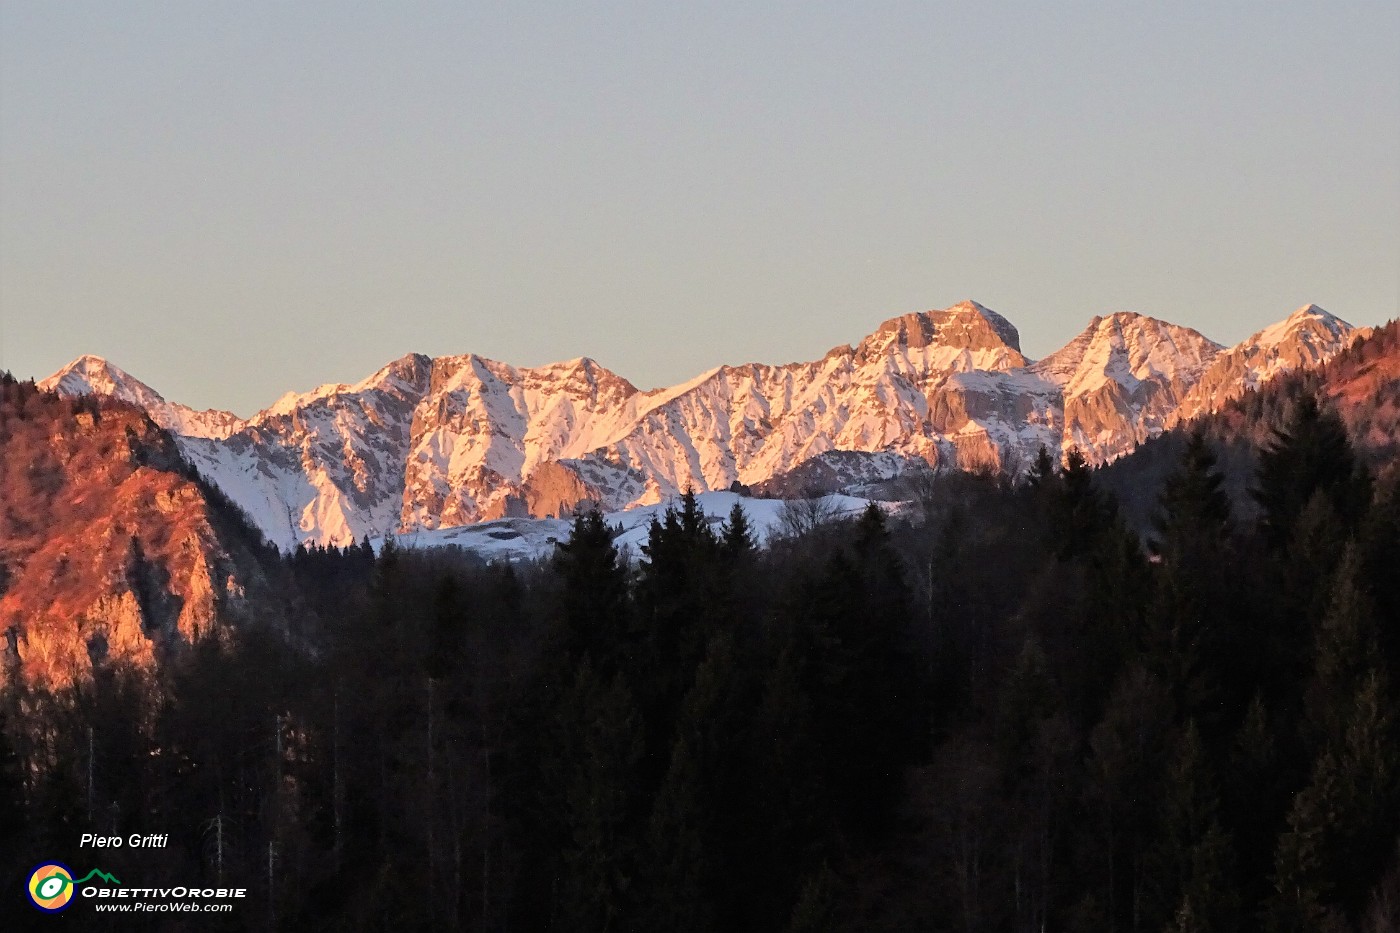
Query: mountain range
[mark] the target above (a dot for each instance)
(431, 443)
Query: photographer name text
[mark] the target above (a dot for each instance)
(134, 841)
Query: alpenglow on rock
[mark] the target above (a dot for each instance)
(437, 443)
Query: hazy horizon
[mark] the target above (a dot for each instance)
(233, 203)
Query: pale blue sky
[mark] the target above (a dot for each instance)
(232, 200)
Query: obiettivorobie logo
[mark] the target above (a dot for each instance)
(52, 884)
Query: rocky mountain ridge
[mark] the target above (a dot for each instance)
(109, 550)
(437, 443)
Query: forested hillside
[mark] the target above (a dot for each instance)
(1361, 385)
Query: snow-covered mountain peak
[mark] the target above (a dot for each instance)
(967, 325)
(411, 368)
(1310, 310)
(90, 374)
(963, 337)
(1309, 319)
(93, 374)
(406, 375)
(1122, 377)
(1126, 347)
(581, 376)
(1308, 337)
(1004, 328)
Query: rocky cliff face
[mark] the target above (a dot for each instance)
(1305, 339)
(435, 443)
(1122, 378)
(107, 551)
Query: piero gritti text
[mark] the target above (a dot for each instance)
(134, 841)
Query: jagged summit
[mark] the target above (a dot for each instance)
(1312, 310)
(91, 374)
(428, 443)
(408, 373)
(1126, 345)
(1307, 337)
(1309, 318)
(967, 325)
(964, 337)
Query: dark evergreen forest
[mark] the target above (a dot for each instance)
(1003, 709)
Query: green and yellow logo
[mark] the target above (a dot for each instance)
(51, 885)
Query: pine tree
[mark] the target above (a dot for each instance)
(783, 808)
(1192, 865)
(678, 847)
(681, 604)
(692, 517)
(815, 910)
(596, 617)
(1079, 513)
(871, 708)
(601, 815)
(1193, 509)
(1027, 698)
(448, 624)
(1310, 454)
(737, 541)
(1043, 471)
(1124, 781)
(1340, 825)
(1378, 549)
(1194, 634)
(576, 695)
(1257, 794)
(691, 822)
(11, 783)
(1346, 648)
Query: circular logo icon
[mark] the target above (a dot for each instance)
(51, 887)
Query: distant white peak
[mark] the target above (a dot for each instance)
(1001, 325)
(964, 326)
(1133, 323)
(90, 374)
(408, 372)
(1126, 347)
(1130, 319)
(449, 373)
(578, 362)
(292, 401)
(584, 366)
(1309, 316)
(1312, 311)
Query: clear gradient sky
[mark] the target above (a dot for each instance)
(231, 200)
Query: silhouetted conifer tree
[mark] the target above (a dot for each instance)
(738, 539)
(1310, 454)
(601, 817)
(1191, 868)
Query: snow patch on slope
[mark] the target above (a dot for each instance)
(536, 538)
